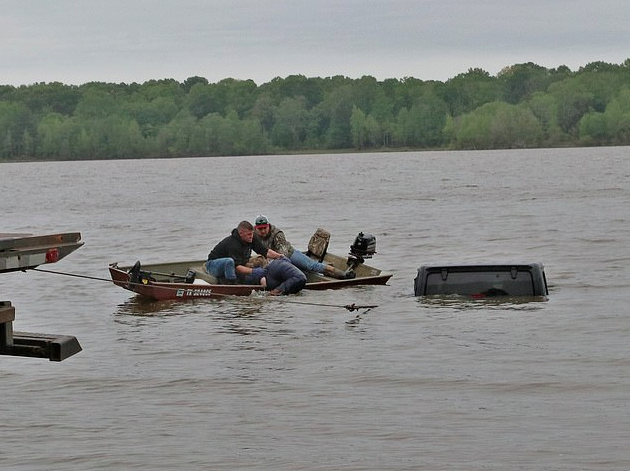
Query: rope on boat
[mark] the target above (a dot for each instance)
(71, 274)
(349, 307)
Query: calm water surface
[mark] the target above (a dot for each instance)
(299, 383)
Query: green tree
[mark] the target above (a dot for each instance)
(52, 136)
(173, 139)
(295, 86)
(609, 127)
(151, 115)
(202, 100)
(549, 107)
(85, 144)
(422, 125)
(44, 97)
(15, 121)
(251, 138)
(236, 95)
(337, 106)
(365, 130)
(123, 138)
(192, 81)
(545, 109)
(153, 89)
(96, 102)
(229, 134)
(618, 118)
(264, 112)
(521, 81)
(498, 125)
(601, 86)
(468, 91)
(572, 101)
(593, 129)
(366, 91)
(290, 124)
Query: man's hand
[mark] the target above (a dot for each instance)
(273, 254)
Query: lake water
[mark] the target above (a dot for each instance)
(300, 383)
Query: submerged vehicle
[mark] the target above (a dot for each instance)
(189, 279)
(482, 280)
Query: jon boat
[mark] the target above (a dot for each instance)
(189, 280)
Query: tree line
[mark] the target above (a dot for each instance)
(523, 106)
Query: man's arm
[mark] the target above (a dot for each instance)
(273, 254)
(260, 249)
(280, 244)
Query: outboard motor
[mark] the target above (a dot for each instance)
(136, 275)
(364, 246)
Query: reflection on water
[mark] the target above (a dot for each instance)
(458, 302)
(239, 305)
(243, 315)
(139, 306)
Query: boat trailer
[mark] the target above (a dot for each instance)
(19, 252)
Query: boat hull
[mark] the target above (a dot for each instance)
(165, 281)
(174, 289)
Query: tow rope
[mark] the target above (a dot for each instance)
(350, 307)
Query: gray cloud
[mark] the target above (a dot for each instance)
(74, 41)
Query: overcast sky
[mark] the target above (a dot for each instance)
(78, 41)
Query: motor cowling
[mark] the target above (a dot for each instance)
(364, 246)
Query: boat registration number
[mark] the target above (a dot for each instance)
(182, 293)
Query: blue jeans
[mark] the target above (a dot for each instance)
(306, 263)
(284, 276)
(222, 268)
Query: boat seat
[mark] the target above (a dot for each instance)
(202, 274)
(318, 245)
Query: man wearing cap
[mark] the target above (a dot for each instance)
(228, 259)
(273, 238)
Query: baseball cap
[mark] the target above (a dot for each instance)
(261, 220)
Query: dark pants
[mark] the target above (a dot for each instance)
(282, 275)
